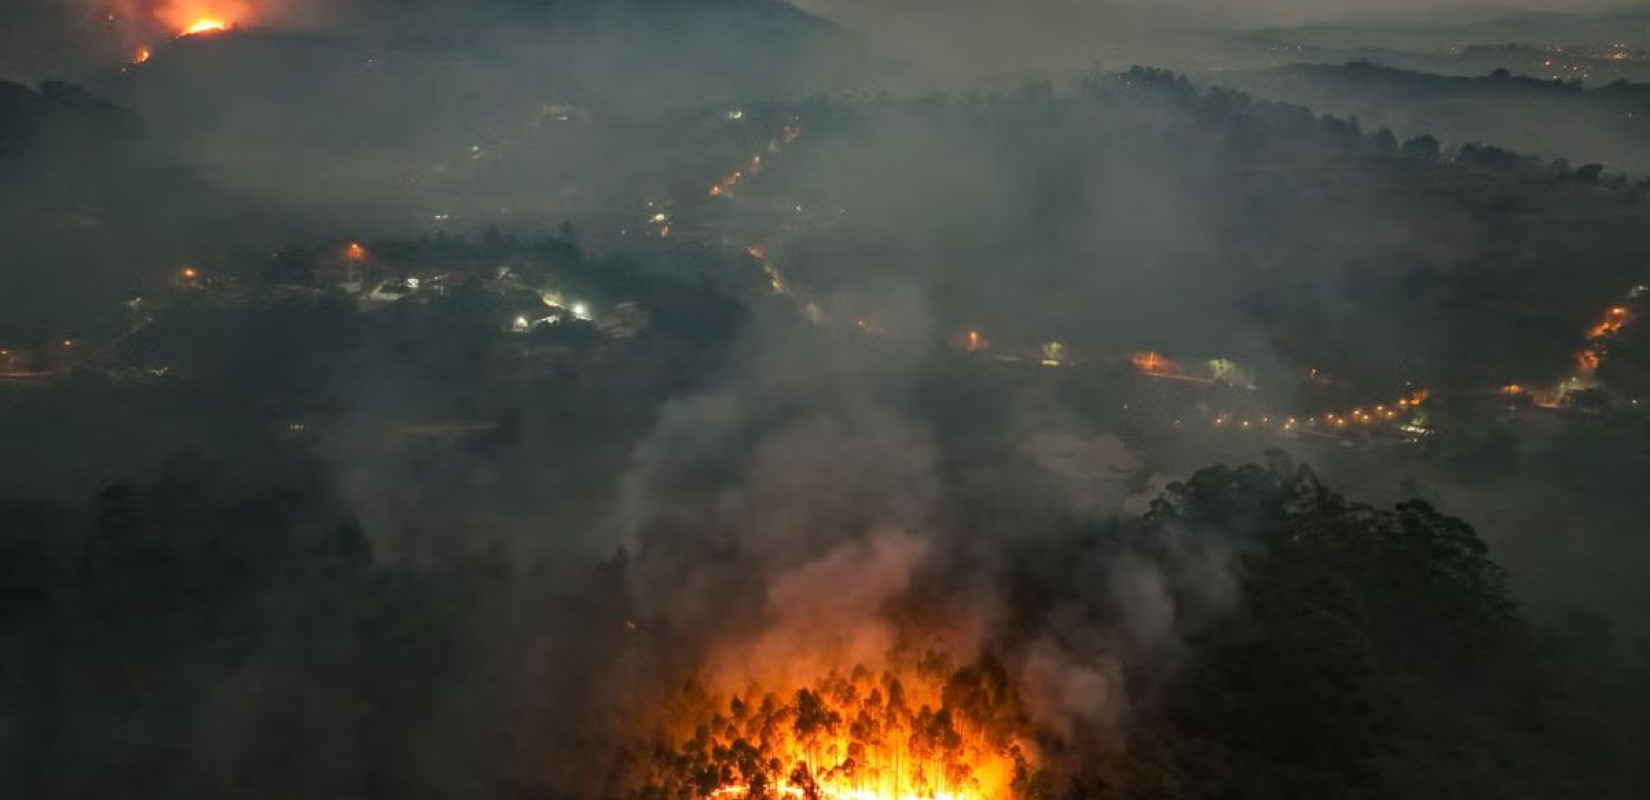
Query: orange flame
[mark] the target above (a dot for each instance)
(726, 185)
(204, 26)
(194, 17)
(1587, 362)
(1591, 355)
(904, 734)
(1154, 363)
(1614, 320)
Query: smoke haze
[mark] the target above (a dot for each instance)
(839, 400)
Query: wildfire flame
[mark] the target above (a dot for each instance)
(204, 26)
(1589, 358)
(726, 185)
(195, 17)
(1587, 362)
(923, 733)
(1614, 320)
(1153, 363)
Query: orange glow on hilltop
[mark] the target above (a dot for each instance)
(355, 252)
(195, 17)
(205, 26)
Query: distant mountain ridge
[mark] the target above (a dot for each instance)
(1472, 25)
(1451, 15)
(643, 47)
(1373, 75)
(1557, 119)
(93, 206)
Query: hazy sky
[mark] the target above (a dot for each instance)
(54, 38)
(1029, 37)
(1215, 11)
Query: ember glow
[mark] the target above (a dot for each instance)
(776, 281)
(923, 732)
(727, 183)
(1614, 320)
(1591, 355)
(1153, 363)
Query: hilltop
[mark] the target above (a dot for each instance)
(1554, 118)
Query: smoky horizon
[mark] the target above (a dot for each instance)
(824, 400)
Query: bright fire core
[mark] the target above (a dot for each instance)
(930, 733)
(204, 26)
(193, 17)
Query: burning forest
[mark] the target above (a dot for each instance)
(771, 400)
(178, 19)
(929, 732)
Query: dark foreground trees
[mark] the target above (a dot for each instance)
(1374, 653)
(226, 632)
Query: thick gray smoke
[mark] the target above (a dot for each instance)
(801, 516)
(509, 542)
